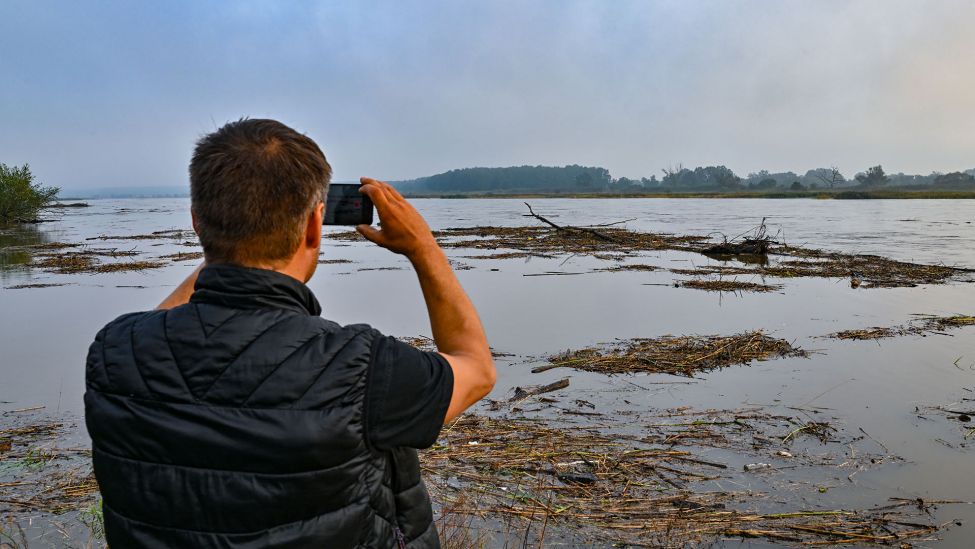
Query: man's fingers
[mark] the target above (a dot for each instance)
(391, 194)
(370, 233)
(394, 193)
(388, 189)
(375, 192)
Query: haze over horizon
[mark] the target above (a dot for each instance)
(115, 94)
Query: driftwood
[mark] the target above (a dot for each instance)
(757, 243)
(749, 246)
(522, 394)
(586, 230)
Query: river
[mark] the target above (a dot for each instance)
(883, 388)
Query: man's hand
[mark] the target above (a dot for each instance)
(456, 328)
(403, 229)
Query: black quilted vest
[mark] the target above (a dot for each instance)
(237, 420)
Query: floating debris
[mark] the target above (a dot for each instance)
(66, 263)
(173, 234)
(628, 490)
(711, 270)
(923, 325)
(128, 266)
(345, 236)
(755, 246)
(425, 343)
(333, 261)
(37, 285)
(521, 393)
(728, 286)
(683, 355)
(86, 261)
(52, 246)
(630, 267)
(508, 255)
(872, 271)
(422, 343)
(544, 240)
(754, 252)
(183, 256)
(68, 205)
(37, 475)
(877, 332)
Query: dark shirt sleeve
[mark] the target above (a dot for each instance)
(407, 395)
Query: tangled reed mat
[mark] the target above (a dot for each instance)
(677, 355)
(528, 479)
(733, 286)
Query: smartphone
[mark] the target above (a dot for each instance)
(344, 205)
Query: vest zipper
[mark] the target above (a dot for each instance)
(400, 539)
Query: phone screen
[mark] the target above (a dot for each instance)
(344, 205)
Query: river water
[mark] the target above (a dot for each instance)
(883, 388)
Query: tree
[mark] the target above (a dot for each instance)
(672, 175)
(874, 177)
(20, 197)
(708, 177)
(796, 186)
(954, 180)
(828, 176)
(584, 180)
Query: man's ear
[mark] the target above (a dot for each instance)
(313, 231)
(193, 217)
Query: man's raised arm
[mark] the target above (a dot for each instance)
(456, 327)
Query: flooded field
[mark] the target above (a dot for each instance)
(647, 395)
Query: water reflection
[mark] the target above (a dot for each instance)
(16, 242)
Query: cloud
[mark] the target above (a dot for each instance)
(106, 94)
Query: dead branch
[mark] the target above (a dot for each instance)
(593, 232)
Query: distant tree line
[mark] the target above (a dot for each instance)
(588, 179)
(516, 178)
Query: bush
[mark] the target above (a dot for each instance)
(20, 197)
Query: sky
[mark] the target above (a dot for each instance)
(107, 94)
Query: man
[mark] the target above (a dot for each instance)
(234, 415)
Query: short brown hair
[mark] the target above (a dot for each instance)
(253, 183)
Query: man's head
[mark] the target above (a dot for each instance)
(256, 187)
